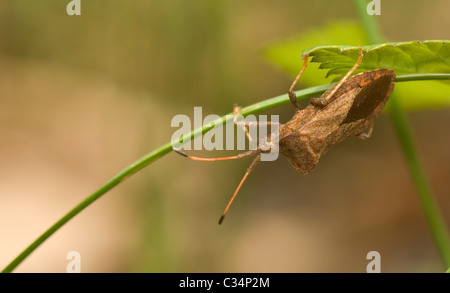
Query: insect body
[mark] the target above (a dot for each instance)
(348, 108)
(341, 112)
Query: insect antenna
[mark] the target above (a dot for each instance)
(238, 156)
(249, 170)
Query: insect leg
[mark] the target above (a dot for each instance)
(249, 123)
(292, 95)
(246, 124)
(329, 97)
(236, 110)
(366, 134)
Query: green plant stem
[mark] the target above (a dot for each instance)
(151, 157)
(427, 76)
(163, 150)
(434, 218)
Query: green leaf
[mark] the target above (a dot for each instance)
(287, 54)
(403, 57)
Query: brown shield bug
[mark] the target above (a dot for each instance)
(348, 108)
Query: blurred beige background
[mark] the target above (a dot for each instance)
(82, 97)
